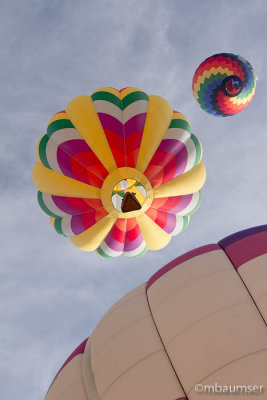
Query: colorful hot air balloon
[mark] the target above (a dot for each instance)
(200, 320)
(119, 172)
(224, 84)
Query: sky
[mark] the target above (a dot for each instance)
(51, 294)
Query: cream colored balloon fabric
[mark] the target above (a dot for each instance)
(202, 319)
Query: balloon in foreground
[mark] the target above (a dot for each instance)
(224, 84)
(119, 172)
(199, 320)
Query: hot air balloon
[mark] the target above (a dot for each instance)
(119, 172)
(199, 321)
(224, 84)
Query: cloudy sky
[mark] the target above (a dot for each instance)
(52, 295)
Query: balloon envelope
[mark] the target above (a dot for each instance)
(224, 84)
(199, 320)
(119, 172)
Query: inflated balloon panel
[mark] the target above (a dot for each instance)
(199, 321)
(119, 172)
(224, 84)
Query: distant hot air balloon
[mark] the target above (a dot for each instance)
(199, 321)
(224, 84)
(119, 172)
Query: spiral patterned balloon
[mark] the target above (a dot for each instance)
(224, 84)
(119, 172)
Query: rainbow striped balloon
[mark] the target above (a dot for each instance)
(119, 172)
(224, 84)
